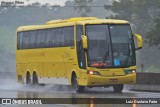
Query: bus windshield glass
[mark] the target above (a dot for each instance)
(110, 45)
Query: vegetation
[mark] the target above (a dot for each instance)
(153, 35)
(83, 6)
(143, 15)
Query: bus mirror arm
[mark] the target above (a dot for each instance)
(84, 42)
(139, 41)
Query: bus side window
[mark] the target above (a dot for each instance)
(60, 36)
(19, 41)
(69, 36)
(33, 36)
(26, 40)
(41, 38)
(50, 38)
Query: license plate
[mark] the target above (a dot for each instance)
(113, 80)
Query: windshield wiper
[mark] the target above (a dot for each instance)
(106, 56)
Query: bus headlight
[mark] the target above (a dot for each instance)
(133, 71)
(130, 71)
(93, 72)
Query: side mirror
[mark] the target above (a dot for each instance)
(139, 41)
(84, 42)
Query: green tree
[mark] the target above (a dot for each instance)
(153, 35)
(83, 6)
(138, 12)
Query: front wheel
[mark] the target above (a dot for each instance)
(75, 85)
(118, 88)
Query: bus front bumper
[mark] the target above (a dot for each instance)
(97, 80)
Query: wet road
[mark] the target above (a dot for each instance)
(11, 89)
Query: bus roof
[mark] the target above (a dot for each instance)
(72, 21)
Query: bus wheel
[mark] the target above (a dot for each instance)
(118, 88)
(35, 79)
(28, 78)
(75, 85)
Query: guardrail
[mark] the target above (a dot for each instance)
(148, 78)
(146, 82)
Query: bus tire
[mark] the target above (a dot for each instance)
(35, 79)
(75, 86)
(118, 88)
(28, 78)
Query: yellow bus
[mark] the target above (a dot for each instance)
(80, 51)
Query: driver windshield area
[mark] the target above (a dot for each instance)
(99, 51)
(110, 45)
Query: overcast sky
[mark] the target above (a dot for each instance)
(52, 2)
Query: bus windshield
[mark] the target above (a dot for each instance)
(110, 45)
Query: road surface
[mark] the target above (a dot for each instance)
(9, 88)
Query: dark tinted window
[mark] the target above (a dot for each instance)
(53, 37)
(19, 40)
(59, 38)
(69, 36)
(50, 38)
(33, 38)
(25, 44)
(41, 39)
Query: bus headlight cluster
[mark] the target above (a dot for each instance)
(133, 71)
(93, 72)
(130, 71)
